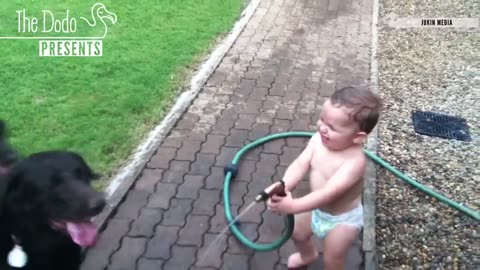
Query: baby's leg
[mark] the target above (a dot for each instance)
(302, 238)
(336, 245)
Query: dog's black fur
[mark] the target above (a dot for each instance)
(8, 156)
(45, 187)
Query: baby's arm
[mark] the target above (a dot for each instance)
(342, 181)
(299, 167)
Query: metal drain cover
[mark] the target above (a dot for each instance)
(440, 125)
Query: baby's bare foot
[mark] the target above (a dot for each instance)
(296, 260)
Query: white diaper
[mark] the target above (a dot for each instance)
(323, 222)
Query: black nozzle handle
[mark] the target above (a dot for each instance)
(264, 195)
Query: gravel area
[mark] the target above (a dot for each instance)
(432, 70)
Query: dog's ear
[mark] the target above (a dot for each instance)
(59, 177)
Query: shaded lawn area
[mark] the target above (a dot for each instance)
(102, 106)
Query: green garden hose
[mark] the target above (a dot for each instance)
(230, 172)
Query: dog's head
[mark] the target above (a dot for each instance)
(8, 156)
(53, 188)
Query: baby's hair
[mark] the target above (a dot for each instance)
(364, 105)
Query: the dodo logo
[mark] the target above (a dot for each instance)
(60, 36)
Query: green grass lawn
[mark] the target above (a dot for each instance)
(102, 106)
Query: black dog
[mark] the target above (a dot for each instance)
(46, 211)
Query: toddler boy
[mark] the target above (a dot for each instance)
(334, 155)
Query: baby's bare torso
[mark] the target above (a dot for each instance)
(324, 164)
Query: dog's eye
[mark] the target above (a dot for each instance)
(56, 180)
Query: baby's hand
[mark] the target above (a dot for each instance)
(282, 205)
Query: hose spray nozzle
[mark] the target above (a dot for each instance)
(275, 189)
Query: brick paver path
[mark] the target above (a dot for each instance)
(292, 54)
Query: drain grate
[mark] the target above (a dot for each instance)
(440, 125)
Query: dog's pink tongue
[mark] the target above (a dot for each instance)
(84, 234)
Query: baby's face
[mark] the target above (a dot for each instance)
(337, 130)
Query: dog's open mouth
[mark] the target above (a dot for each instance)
(83, 233)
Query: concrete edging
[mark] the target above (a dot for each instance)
(126, 176)
(369, 239)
